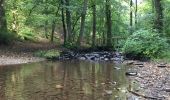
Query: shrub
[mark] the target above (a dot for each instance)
(145, 44)
(6, 37)
(27, 34)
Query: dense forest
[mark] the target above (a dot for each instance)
(84, 49)
(139, 27)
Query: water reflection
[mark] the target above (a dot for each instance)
(71, 80)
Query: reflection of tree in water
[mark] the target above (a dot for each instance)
(65, 80)
(93, 81)
(70, 87)
(108, 80)
(2, 83)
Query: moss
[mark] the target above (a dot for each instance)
(49, 54)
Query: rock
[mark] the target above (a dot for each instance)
(130, 63)
(82, 58)
(138, 64)
(113, 83)
(106, 59)
(94, 56)
(162, 65)
(166, 89)
(117, 68)
(59, 87)
(131, 73)
(108, 92)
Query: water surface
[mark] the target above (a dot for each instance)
(65, 80)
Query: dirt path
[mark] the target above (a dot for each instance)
(19, 52)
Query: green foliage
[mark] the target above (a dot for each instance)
(6, 37)
(50, 54)
(27, 34)
(145, 43)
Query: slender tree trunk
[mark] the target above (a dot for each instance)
(46, 21)
(15, 17)
(63, 22)
(68, 20)
(75, 23)
(83, 16)
(136, 10)
(153, 6)
(46, 29)
(131, 16)
(159, 16)
(73, 28)
(54, 24)
(3, 23)
(53, 30)
(94, 24)
(108, 23)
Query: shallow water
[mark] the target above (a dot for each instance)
(65, 80)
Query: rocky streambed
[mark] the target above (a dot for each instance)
(149, 80)
(93, 56)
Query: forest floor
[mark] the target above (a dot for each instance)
(151, 81)
(22, 52)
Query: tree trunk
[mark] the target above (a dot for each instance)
(108, 23)
(63, 22)
(153, 6)
(68, 20)
(3, 23)
(53, 30)
(54, 24)
(159, 16)
(46, 29)
(83, 16)
(131, 16)
(136, 10)
(94, 24)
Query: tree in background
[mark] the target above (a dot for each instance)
(109, 23)
(3, 23)
(131, 16)
(158, 16)
(68, 19)
(136, 10)
(63, 22)
(82, 25)
(94, 23)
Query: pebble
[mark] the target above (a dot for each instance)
(131, 73)
(108, 92)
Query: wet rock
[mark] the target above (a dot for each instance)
(108, 92)
(117, 68)
(59, 86)
(94, 56)
(162, 65)
(131, 73)
(138, 64)
(166, 89)
(82, 58)
(106, 59)
(130, 63)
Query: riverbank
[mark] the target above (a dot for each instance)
(151, 82)
(21, 53)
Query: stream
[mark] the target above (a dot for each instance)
(64, 80)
